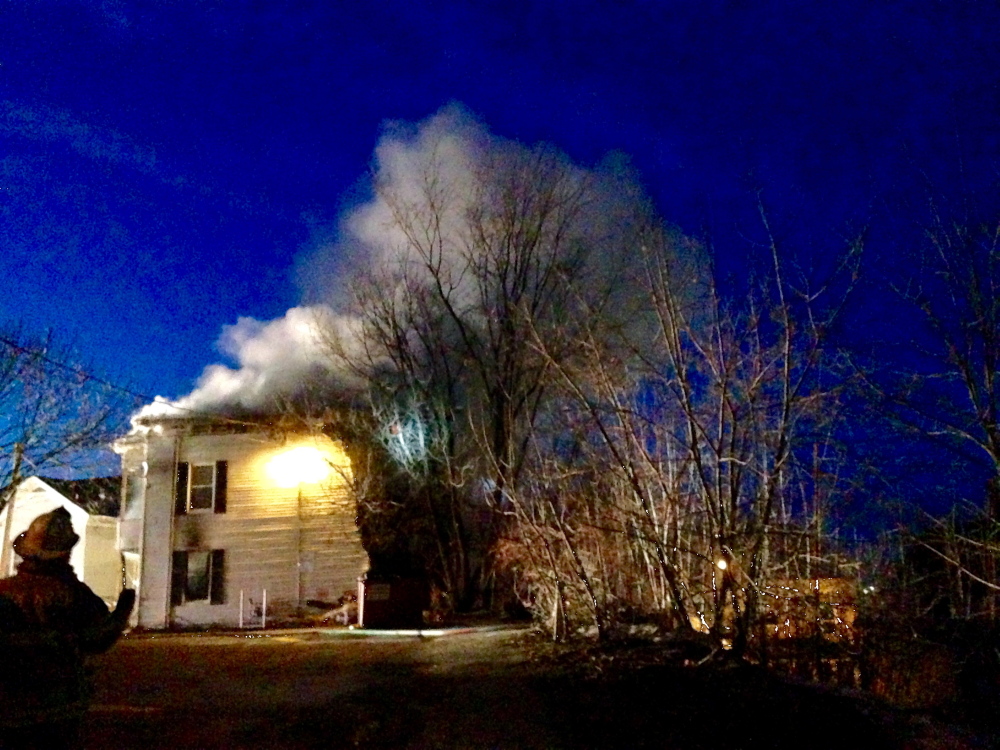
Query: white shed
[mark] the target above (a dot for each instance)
(92, 505)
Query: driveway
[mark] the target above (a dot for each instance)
(484, 688)
(471, 689)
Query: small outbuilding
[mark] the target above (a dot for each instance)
(93, 508)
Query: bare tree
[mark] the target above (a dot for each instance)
(56, 416)
(951, 391)
(557, 380)
(476, 264)
(945, 388)
(689, 444)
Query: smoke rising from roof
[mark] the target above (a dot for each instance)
(274, 359)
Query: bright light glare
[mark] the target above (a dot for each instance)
(298, 466)
(721, 564)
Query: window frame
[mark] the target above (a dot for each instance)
(185, 487)
(181, 577)
(192, 487)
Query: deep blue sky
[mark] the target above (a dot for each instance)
(164, 165)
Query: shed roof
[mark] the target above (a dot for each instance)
(99, 496)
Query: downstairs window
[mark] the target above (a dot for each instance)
(198, 575)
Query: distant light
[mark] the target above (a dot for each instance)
(721, 564)
(298, 466)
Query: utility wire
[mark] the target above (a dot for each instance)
(86, 375)
(75, 369)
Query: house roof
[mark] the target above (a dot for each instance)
(99, 496)
(322, 406)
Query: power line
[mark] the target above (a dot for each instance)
(74, 369)
(86, 375)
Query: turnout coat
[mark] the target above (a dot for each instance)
(49, 621)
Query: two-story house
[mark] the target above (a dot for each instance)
(223, 522)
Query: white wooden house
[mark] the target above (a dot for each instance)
(92, 505)
(218, 518)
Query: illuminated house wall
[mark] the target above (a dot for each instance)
(209, 513)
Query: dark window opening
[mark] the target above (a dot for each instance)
(198, 575)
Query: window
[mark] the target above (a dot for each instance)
(202, 492)
(198, 575)
(201, 488)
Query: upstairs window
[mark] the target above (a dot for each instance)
(201, 494)
(201, 488)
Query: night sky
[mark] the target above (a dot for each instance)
(166, 168)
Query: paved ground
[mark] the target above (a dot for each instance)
(482, 689)
(310, 690)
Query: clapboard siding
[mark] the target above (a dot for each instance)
(252, 493)
(297, 543)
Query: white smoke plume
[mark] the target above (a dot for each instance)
(450, 145)
(276, 358)
(272, 358)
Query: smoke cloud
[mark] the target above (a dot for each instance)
(272, 359)
(451, 145)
